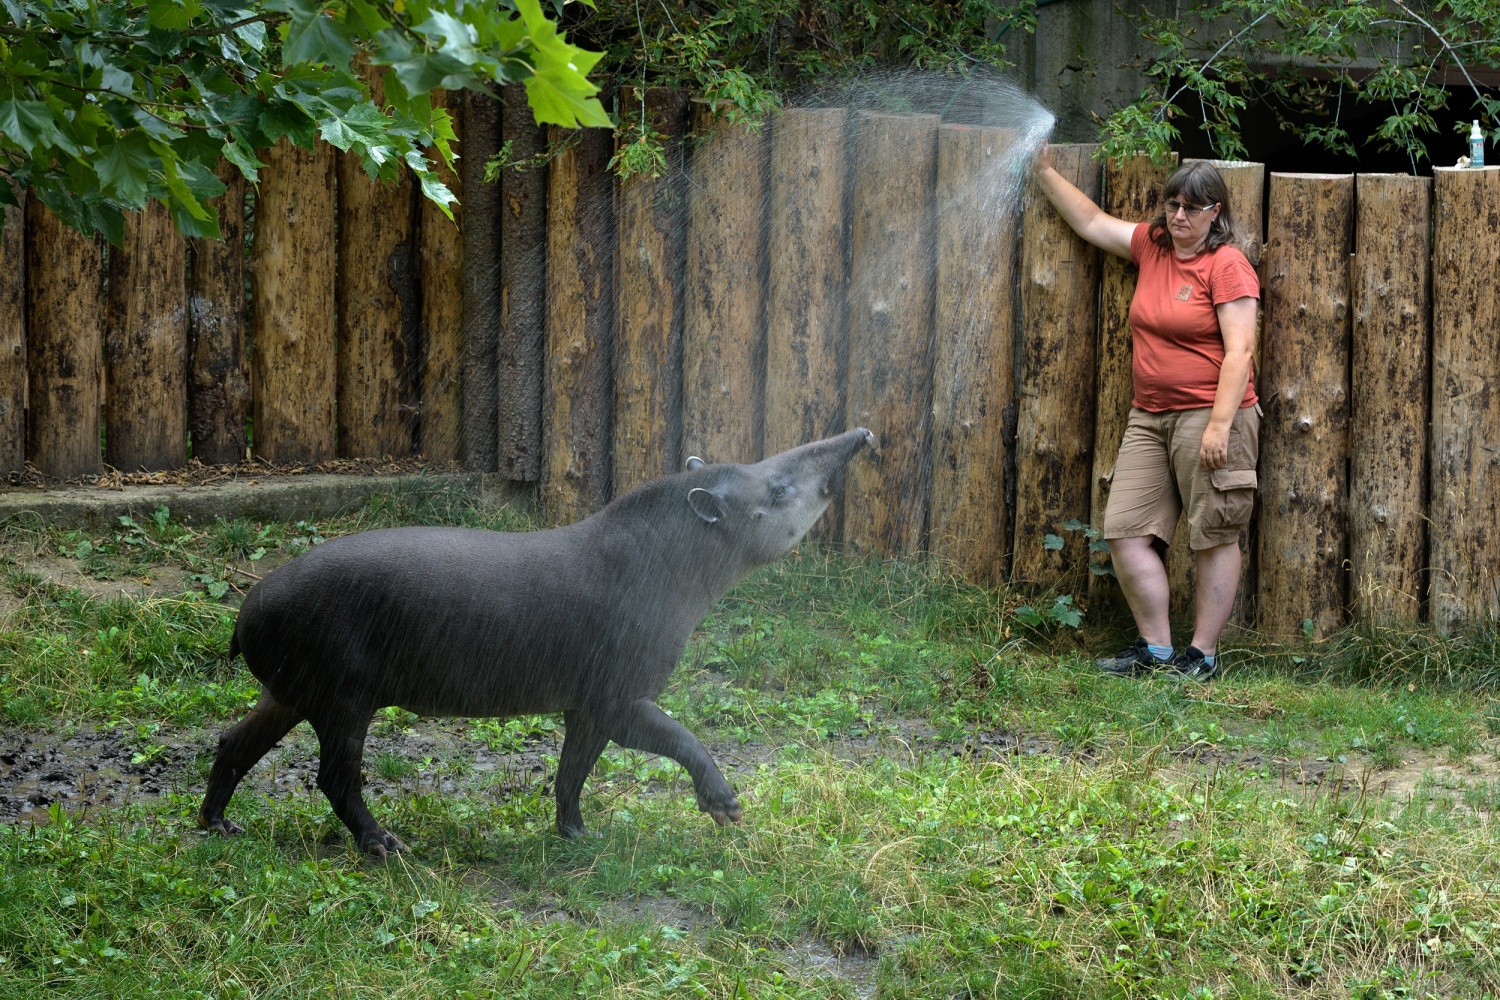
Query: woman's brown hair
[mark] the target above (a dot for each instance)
(1196, 183)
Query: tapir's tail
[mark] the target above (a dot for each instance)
(234, 645)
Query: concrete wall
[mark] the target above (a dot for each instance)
(1079, 62)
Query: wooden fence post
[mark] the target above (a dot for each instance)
(521, 350)
(1055, 409)
(1390, 395)
(482, 297)
(145, 345)
(808, 283)
(293, 369)
(1465, 491)
(892, 285)
(648, 300)
(1304, 390)
(723, 339)
(218, 383)
(441, 251)
(1246, 183)
(1132, 191)
(65, 321)
(13, 336)
(377, 307)
(577, 396)
(978, 218)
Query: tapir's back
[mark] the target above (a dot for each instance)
(439, 620)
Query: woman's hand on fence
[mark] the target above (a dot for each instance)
(1043, 158)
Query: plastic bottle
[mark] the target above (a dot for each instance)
(1476, 146)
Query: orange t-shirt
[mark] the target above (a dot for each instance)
(1173, 316)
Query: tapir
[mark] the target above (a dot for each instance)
(588, 620)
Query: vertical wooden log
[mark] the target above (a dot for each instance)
(1390, 396)
(723, 345)
(892, 287)
(1464, 505)
(145, 345)
(578, 395)
(1246, 183)
(978, 216)
(1132, 191)
(65, 321)
(521, 351)
(13, 336)
(441, 250)
(481, 288)
(808, 284)
(1055, 409)
(377, 308)
(293, 369)
(1304, 389)
(648, 301)
(218, 374)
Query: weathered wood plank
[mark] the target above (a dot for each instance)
(293, 331)
(1464, 505)
(1390, 396)
(892, 287)
(145, 345)
(1055, 409)
(1304, 389)
(978, 220)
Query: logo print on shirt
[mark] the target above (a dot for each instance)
(1184, 293)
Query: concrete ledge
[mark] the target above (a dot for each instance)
(302, 497)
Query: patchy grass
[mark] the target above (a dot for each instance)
(942, 799)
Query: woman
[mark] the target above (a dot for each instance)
(1193, 434)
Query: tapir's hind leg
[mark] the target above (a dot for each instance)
(341, 751)
(584, 742)
(640, 725)
(239, 749)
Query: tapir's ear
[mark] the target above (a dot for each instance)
(708, 506)
(694, 462)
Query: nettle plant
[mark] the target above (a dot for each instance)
(1311, 63)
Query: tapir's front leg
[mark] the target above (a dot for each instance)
(640, 725)
(584, 742)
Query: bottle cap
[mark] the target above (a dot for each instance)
(1475, 133)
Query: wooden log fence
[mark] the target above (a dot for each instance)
(834, 268)
(1055, 409)
(891, 291)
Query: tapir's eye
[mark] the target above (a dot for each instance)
(782, 492)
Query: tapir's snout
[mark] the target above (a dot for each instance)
(820, 465)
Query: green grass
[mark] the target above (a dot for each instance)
(1152, 840)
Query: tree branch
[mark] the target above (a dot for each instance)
(1446, 47)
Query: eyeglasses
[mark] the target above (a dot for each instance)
(1173, 206)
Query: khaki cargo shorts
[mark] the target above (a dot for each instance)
(1158, 473)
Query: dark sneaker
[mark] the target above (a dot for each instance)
(1193, 666)
(1132, 661)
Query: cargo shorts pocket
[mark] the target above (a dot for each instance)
(1233, 497)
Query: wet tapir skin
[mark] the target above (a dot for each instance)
(588, 620)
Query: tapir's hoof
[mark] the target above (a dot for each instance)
(724, 813)
(223, 827)
(380, 845)
(575, 831)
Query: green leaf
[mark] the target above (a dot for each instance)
(559, 90)
(173, 15)
(1052, 543)
(27, 123)
(314, 37)
(125, 169)
(243, 158)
